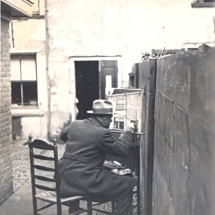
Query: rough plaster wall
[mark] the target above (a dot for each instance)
(123, 27)
(22, 127)
(28, 34)
(6, 168)
(184, 135)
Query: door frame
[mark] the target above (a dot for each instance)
(72, 60)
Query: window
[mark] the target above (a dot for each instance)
(24, 81)
(203, 3)
(119, 122)
(120, 104)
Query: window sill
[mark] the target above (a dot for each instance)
(205, 4)
(25, 112)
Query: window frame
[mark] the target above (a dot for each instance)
(123, 104)
(22, 82)
(121, 120)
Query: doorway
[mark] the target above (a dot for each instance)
(92, 78)
(87, 85)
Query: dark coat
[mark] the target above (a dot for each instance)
(84, 174)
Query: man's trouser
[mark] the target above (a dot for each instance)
(124, 205)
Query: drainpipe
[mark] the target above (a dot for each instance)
(47, 72)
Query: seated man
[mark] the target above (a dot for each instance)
(81, 167)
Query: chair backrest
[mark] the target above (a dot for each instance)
(44, 167)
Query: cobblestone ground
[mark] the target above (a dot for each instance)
(21, 167)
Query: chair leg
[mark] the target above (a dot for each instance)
(89, 206)
(35, 205)
(113, 207)
(74, 206)
(59, 211)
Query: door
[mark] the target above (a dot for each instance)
(108, 77)
(87, 85)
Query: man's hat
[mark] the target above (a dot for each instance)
(101, 106)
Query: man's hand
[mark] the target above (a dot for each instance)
(130, 127)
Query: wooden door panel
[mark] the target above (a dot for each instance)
(108, 76)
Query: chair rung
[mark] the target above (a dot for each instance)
(80, 211)
(41, 187)
(46, 206)
(97, 204)
(73, 198)
(43, 178)
(42, 157)
(102, 211)
(44, 168)
(51, 197)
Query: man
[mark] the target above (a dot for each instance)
(81, 168)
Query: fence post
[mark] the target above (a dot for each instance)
(151, 90)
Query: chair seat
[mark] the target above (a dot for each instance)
(51, 197)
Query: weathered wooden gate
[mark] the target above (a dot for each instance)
(145, 78)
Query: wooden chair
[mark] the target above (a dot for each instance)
(45, 179)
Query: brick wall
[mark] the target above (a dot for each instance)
(6, 168)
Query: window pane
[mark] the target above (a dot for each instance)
(16, 93)
(115, 124)
(15, 68)
(30, 93)
(121, 125)
(121, 104)
(28, 68)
